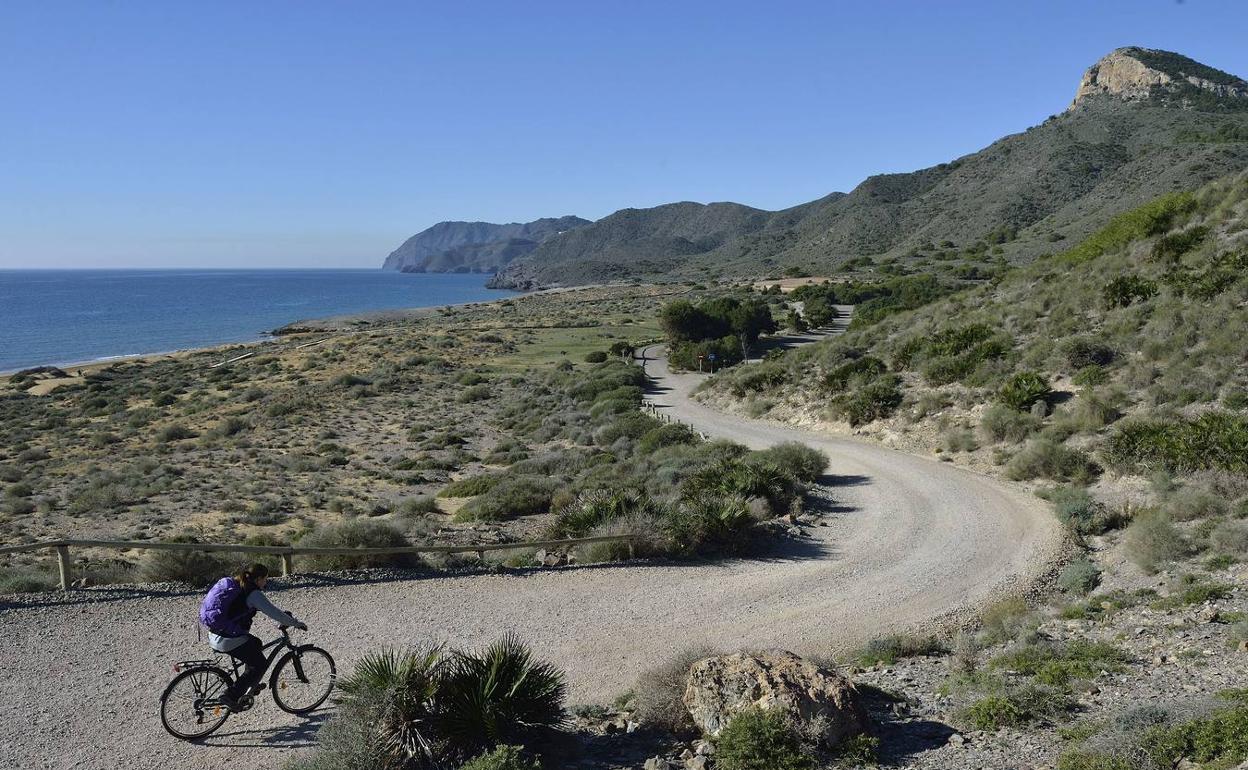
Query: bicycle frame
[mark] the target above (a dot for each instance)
(279, 645)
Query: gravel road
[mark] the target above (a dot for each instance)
(912, 542)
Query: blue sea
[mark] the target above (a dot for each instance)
(73, 316)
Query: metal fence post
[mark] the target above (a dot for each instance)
(62, 562)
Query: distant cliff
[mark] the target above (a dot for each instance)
(474, 247)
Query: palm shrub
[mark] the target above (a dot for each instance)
(400, 688)
(805, 463)
(497, 696)
(1024, 389)
(710, 523)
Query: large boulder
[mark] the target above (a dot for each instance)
(823, 704)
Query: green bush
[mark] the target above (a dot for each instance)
(804, 462)
(761, 740)
(497, 696)
(726, 351)
(1079, 759)
(26, 581)
(596, 357)
(471, 486)
(672, 434)
(1024, 389)
(503, 758)
(175, 432)
(419, 504)
(595, 508)
(1082, 352)
(1058, 664)
(1001, 423)
(854, 373)
(760, 377)
(1080, 513)
(1079, 577)
(1215, 440)
(356, 534)
(710, 524)
(511, 497)
(196, 568)
(1046, 459)
(1090, 376)
(876, 401)
(1153, 218)
(890, 649)
(1152, 540)
(1015, 706)
(1221, 736)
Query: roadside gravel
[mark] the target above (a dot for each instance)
(912, 543)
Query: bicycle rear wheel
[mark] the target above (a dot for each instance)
(190, 707)
(303, 679)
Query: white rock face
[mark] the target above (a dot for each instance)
(1125, 76)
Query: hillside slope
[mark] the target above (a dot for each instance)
(476, 247)
(1143, 123)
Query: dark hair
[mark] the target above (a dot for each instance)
(251, 573)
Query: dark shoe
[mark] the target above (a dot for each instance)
(230, 702)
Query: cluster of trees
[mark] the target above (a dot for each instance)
(720, 329)
(874, 300)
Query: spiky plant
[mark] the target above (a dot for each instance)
(497, 696)
(405, 684)
(593, 508)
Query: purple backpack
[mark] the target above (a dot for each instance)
(224, 610)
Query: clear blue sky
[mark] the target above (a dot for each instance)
(272, 133)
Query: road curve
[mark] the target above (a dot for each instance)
(912, 541)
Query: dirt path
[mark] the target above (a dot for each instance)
(912, 541)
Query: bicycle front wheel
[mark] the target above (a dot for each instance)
(303, 679)
(190, 707)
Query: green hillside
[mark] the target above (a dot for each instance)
(1144, 123)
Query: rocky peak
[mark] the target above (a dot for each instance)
(1137, 74)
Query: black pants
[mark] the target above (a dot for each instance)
(251, 654)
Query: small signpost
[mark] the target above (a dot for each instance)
(712, 357)
(699, 363)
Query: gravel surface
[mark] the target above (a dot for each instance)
(913, 542)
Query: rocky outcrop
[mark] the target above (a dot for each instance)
(475, 247)
(1137, 74)
(824, 704)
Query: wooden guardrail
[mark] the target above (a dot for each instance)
(288, 553)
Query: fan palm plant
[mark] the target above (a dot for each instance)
(404, 684)
(497, 696)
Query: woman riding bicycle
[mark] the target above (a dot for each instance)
(227, 612)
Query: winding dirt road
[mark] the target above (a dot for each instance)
(912, 541)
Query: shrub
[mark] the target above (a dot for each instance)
(474, 393)
(762, 377)
(1152, 540)
(471, 486)
(1016, 706)
(876, 401)
(513, 496)
(419, 504)
(672, 434)
(594, 508)
(1082, 352)
(1057, 664)
(889, 649)
(1127, 289)
(1079, 577)
(804, 462)
(596, 357)
(497, 696)
(1189, 503)
(856, 372)
(1090, 376)
(1230, 538)
(357, 534)
(659, 693)
(25, 581)
(1006, 620)
(1001, 423)
(1221, 736)
(1043, 458)
(1153, 218)
(993, 712)
(711, 523)
(397, 690)
(1024, 389)
(175, 432)
(1215, 440)
(503, 758)
(1078, 511)
(196, 568)
(761, 740)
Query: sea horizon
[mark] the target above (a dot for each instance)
(68, 316)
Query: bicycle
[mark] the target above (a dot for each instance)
(300, 681)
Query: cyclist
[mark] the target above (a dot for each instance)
(227, 612)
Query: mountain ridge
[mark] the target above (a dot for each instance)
(458, 246)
